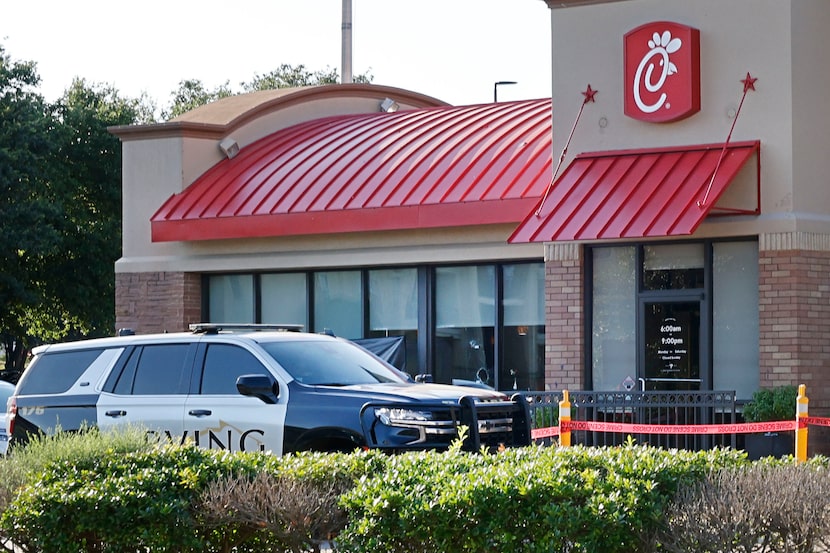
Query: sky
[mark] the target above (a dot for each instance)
(452, 50)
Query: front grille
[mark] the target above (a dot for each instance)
(491, 424)
(499, 423)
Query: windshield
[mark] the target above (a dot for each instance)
(330, 363)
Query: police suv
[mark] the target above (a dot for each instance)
(255, 388)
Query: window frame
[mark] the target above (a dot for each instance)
(642, 295)
(426, 309)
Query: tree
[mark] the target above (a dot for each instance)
(60, 174)
(288, 76)
(78, 280)
(192, 92)
(27, 216)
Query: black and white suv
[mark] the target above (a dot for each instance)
(254, 389)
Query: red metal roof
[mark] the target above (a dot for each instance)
(436, 167)
(633, 194)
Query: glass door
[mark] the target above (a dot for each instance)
(671, 345)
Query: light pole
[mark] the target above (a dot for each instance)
(496, 89)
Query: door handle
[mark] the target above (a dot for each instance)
(115, 414)
(200, 412)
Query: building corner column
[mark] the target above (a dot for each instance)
(794, 319)
(564, 317)
(157, 301)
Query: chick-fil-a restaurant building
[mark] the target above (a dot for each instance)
(661, 222)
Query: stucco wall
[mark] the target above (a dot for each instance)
(780, 42)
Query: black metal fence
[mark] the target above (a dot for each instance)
(641, 407)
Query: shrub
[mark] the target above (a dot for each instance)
(128, 502)
(766, 506)
(285, 513)
(179, 498)
(116, 496)
(529, 500)
(771, 404)
(23, 464)
(292, 504)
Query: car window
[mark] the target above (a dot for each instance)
(329, 362)
(224, 363)
(6, 391)
(157, 369)
(55, 373)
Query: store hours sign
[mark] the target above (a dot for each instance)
(662, 72)
(673, 347)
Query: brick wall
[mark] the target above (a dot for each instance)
(564, 318)
(157, 302)
(795, 321)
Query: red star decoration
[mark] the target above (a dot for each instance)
(589, 94)
(749, 82)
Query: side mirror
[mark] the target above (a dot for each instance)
(260, 386)
(424, 378)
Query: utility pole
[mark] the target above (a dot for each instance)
(346, 52)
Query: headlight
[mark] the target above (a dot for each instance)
(391, 417)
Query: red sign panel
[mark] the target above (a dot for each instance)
(662, 72)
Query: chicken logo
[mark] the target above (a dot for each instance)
(662, 72)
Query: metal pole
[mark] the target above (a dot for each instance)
(346, 52)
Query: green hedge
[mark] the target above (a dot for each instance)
(529, 500)
(154, 500)
(188, 499)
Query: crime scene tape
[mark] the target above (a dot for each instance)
(547, 432)
(815, 421)
(629, 428)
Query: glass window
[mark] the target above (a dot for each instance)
(160, 370)
(225, 363)
(673, 267)
(735, 317)
(121, 383)
(285, 298)
(330, 363)
(393, 299)
(393, 309)
(338, 303)
(231, 298)
(465, 322)
(524, 327)
(57, 372)
(613, 338)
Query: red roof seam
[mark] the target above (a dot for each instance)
(505, 147)
(425, 124)
(348, 163)
(434, 153)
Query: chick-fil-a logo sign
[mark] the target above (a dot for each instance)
(662, 72)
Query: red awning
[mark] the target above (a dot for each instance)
(425, 168)
(639, 193)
